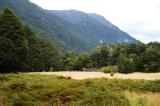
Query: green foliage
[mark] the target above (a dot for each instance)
(126, 64)
(69, 60)
(100, 56)
(35, 89)
(135, 57)
(83, 61)
(151, 57)
(43, 55)
(69, 95)
(102, 96)
(62, 77)
(109, 69)
(62, 26)
(21, 50)
(26, 89)
(11, 31)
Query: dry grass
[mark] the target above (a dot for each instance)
(143, 99)
(1, 99)
(85, 75)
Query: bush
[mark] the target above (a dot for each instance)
(63, 77)
(109, 69)
(112, 74)
(3, 77)
(104, 96)
(18, 86)
(70, 94)
(105, 70)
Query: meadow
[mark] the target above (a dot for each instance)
(126, 73)
(80, 75)
(49, 90)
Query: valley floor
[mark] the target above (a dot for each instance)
(37, 89)
(85, 75)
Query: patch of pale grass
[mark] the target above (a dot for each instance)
(85, 75)
(143, 99)
(1, 99)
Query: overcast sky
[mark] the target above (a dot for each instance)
(139, 18)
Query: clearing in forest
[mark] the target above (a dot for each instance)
(85, 75)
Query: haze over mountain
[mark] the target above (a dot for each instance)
(70, 28)
(139, 18)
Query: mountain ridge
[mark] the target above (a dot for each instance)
(81, 35)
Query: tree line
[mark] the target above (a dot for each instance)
(22, 50)
(134, 57)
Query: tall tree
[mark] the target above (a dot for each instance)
(12, 30)
(42, 55)
(69, 60)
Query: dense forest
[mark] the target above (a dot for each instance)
(21, 50)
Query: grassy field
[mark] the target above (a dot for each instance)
(50, 90)
(143, 98)
(84, 75)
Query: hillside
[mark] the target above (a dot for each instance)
(81, 33)
(22, 50)
(94, 28)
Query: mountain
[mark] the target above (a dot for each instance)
(71, 28)
(94, 26)
(102, 20)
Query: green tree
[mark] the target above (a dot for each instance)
(8, 59)
(83, 61)
(151, 58)
(42, 53)
(69, 60)
(12, 30)
(126, 64)
(101, 56)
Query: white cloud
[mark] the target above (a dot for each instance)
(140, 18)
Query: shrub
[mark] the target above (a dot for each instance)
(40, 90)
(63, 77)
(3, 77)
(70, 94)
(19, 86)
(103, 96)
(112, 74)
(109, 69)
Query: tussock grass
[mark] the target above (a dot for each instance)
(40, 90)
(143, 99)
(1, 98)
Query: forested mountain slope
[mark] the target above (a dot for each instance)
(72, 29)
